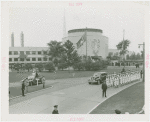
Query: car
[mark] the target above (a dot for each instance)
(33, 78)
(97, 77)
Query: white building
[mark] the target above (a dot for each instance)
(97, 43)
(33, 55)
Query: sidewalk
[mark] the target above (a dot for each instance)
(79, 99)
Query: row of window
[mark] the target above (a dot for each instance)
(28, 59)
(28, 52)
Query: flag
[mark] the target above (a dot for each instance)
(81, 41)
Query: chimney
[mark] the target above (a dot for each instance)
(22, 39)
(12, 39)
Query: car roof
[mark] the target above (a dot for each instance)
(100, 72)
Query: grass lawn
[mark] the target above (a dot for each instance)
(15, 77)
(129, 100)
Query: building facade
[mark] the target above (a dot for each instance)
(30, 55)
(97, 43)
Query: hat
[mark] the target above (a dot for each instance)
(117, 111)
(56, 106)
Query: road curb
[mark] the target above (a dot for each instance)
(30, 93)
(112, 96)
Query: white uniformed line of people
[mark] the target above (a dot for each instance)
(116, 80)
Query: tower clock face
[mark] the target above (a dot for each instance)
(95, 46)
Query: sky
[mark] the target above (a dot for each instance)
(41, 25)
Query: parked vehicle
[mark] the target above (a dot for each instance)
(34, 77)
(97, 77)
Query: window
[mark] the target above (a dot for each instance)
(33, 52)
(33, 59)
(39, 59)
(28, 59)
(45, 52)
(45, 59)
(50, 59)
(27, 52)
(39, 52)
(21, 59)
(10, 59)
(10, 52)
(15, 52)
(15, 59)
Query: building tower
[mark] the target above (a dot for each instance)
(12, 39)
(22, 39)
(64, 26)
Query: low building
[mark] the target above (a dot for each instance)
(30, 55)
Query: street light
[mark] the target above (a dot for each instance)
(143, 60)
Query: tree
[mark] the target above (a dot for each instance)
(39, 66)
(28, 66)
(122, 47)
(142, 54)
(138, 56)
(127, 57)
(71, 55)
(49, 66)
(133, 56)
(56, 50)
(110, 54)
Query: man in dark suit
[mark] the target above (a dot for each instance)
(55, 111)
(23, 88)
(104, 88)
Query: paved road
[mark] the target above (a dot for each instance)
(79, 98)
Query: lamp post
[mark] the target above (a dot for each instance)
(143, 59)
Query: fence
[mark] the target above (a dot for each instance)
(116, 80)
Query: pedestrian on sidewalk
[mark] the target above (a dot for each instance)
(141, 73)
(104, 88)
(43, 83)
(54, 74)
(23, 88)
(55, 111)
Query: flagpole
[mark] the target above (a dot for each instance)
(86, 41)
(123, 47)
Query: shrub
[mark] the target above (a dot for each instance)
(79, 66)
(49, 66)
(39, 66)
(62, 66)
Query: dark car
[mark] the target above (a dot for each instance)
(98, 78)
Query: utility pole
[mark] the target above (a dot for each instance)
(143, 60)
(86, 41)
(123, 48)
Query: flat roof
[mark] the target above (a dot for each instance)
(84, 29)
(28, 48)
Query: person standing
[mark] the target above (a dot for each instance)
(23, 88)
(104, 88)
(141, 73)
(54, 75)
(55, 111)
(43, 83)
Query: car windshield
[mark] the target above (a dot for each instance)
(96, 74)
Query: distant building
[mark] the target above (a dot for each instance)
(22, 39)
(12, 40)
(32, 55)
(97, 43)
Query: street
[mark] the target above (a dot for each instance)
(77, 97)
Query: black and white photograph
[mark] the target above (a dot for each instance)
(75, 57)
